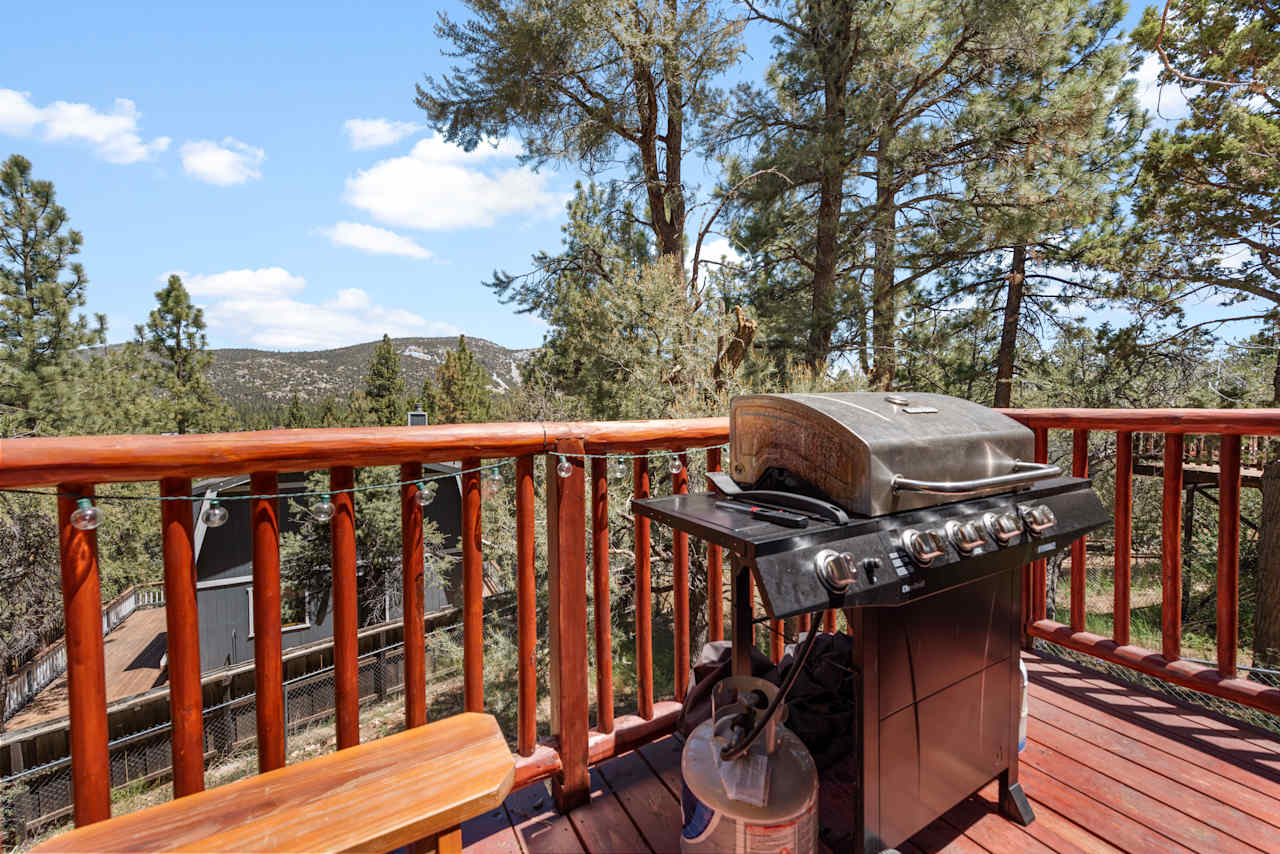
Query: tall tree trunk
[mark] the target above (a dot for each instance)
(1275, 383)
(822, 302)
(830, 201)
(673, 189)
(1266, 621)
(1009, 332)
(884, 309)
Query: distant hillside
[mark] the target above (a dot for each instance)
(264, 376)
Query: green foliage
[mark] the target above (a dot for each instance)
(910, 145)
(591, 83)
(30, 610)
(41, 288)
(177, 362)
(305, 557)
(384, 394)
(1208, 197)
(459, 392)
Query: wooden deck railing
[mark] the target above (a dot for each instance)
(1218, 428)
(75, 465)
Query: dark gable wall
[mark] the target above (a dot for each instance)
(224, 571)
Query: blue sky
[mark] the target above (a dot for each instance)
(273, 155)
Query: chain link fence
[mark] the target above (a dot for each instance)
(39, 799)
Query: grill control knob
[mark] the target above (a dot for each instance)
(836, 571)
(1002, 527)
(965, 535)
(1039, 518)
(923, 546)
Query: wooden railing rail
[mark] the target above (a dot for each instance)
(1210, 432)
(76, 465)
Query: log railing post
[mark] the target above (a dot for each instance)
(715, 570)
(1038, 568)
(644, 597)
(1123, 537)
(412, 567)
(472, 590)
(1228, 554)
(1079, 468)
(182, 627)
(567, 622)
(526, 609)
(1171, 549)
(268, 670)
(600, 593)
(346, 621)
(86, 668)
(680, 582)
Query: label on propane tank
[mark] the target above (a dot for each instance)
(710, 830)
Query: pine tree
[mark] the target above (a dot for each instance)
(1208, 200)
(178, 360)
(459, 393)
(894, 129)
(39, 329)
(593, 83)
(296, 415)
(384, 391)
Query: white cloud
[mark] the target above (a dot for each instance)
(719, 250)
(114, 136)
(223, 163)
(242, 283)
(375, 133)
(370, 238)
(266, 308)
(1165, 102)
(438, 186)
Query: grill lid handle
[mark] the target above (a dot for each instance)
(1023, 472)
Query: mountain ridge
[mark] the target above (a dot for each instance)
(247, 376)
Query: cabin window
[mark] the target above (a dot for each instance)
(295, 609)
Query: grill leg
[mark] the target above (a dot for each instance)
(743, 630)
(1013, 802)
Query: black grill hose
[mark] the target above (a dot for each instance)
(733, 751)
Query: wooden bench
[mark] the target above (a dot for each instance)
(414, 786)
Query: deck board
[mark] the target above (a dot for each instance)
(1108, 767)
(131, 658)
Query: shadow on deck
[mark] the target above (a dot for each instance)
(1108, 767)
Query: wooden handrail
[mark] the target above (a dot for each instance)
(117, 459)
(1230, 422)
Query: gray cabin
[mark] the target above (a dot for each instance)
(224, 569)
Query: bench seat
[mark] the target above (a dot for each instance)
(420, 784)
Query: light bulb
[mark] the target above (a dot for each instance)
(565, 468)
(86, 517)
(618, 468)
(426, 492)
(215, 515)
(323, 510)
(676, 466)
(493, 484)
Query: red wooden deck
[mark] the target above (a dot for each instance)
(1108, 767)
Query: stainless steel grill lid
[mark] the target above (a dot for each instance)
(875, 453)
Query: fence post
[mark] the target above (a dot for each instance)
(567, 622)
(380, 675)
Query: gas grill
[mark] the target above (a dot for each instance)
(915, 512)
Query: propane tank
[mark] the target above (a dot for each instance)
(1022, 716)
(764, 802)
